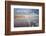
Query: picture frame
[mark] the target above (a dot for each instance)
(15, 8)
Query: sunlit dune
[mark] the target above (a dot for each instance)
(19, 16)
(25, 16)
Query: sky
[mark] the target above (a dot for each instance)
(25, 11)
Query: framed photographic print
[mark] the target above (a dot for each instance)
(24, 17)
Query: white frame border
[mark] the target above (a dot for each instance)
(25, 28)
